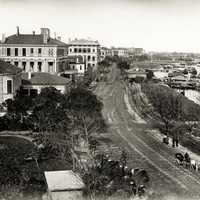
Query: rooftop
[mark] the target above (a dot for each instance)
(42, 78)
(63, 180)
(83, 42)
(180, 77)
(136, 71)
(7, 68)
(35, 39)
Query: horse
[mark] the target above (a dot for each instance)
(111, 168)
(179, 158)
(187, 160)
(141, 178)
(194, 165)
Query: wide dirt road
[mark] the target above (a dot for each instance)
(129, 131)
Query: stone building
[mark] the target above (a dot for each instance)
(121, 52)
(10, 80)
(88, 49)
(33, 83)
(33, 52)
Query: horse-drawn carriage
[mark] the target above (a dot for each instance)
(118, 176)
(187, 162)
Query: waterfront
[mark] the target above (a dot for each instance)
(193, 95)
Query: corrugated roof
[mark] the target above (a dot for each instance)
(63, 180)
(7, 68)
(42, 78)
(31, 39)
(83, 42)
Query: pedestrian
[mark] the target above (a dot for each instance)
(177, 139)
(177, 142)
(173, 142)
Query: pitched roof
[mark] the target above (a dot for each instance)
(7, 68)
(42, 78)
(83, 42)
(36, 39)
(63, 181)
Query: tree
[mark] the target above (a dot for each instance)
(85, 111)
(150, 74)
(52, 123)
(167, 103)
(89, 76)
(123, 65)
(17, 112)
(47, 113)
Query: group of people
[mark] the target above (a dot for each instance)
(185, 160)
(118, 171)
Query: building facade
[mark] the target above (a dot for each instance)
(78, 64)
(33, 52)
(135, 52)
(72, 63)
(33, 83)
(88, 49)
(121, 52)
(10, 80)
(103, 53)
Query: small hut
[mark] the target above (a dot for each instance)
(64, 185)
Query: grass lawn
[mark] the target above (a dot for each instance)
(18, 149)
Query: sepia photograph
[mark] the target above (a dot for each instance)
(100, 100)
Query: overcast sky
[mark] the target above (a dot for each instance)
(159, 25)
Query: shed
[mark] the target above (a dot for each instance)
(64, 185)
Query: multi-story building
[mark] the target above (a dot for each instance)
(108, 52)
(88, 49)
(10, 80)
(72, 63)
(135, 52)
(33, 52)
(77, 63)
(104, 51)
(121, 52)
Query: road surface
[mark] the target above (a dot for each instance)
(128, 130)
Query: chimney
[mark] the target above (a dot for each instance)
(69, 40)
(46, 34)
(59, 38)
(29, 74)
(33, 32)
(3, 38)
(55, 35)
(17, 30)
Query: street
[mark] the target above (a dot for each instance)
(129, 131)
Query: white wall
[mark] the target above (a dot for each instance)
(61, 88)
